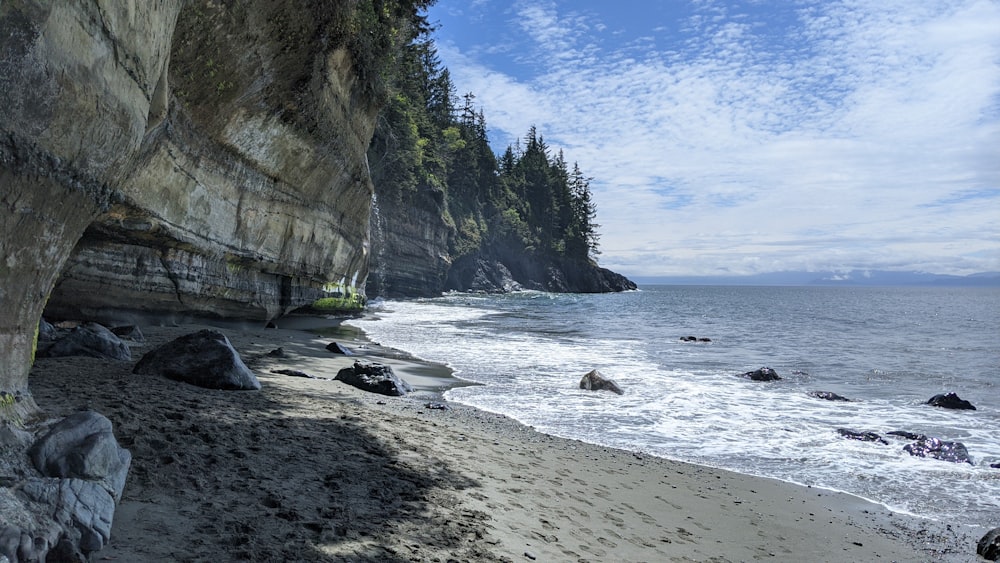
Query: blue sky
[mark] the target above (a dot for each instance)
(730, 138)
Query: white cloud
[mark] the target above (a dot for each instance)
(843, 145)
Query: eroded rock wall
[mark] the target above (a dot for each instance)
(76, 80)
(174, 156)
(252, 194)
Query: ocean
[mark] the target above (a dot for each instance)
(887, 349)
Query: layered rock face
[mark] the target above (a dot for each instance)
(252, 195)
(172, 156)
(77, 82)
(409, 251)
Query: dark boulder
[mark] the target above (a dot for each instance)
(594, 381)
(82, 446)
(950, 401)
(694, 339)
(129, 332)
(862, 436)
(995, 465)
(828, 396)
(89, 339)
(204, 358)
(374, 377)
(954, 452)
(336, 348)
(989, 546)
(762, 374)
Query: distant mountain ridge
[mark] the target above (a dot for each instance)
(853, 278)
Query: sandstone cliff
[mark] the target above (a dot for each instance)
(182, 156)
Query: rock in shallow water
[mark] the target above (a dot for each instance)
(989, 546)
(595, 381)
(828, 396)
(762, 374)
(204, 358)
(950, 401)
(862, 436)
(954, 452)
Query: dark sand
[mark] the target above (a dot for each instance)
(314, 470)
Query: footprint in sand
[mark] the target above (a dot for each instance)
(607, 543)
(546, 525)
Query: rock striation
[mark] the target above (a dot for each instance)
(183, 157)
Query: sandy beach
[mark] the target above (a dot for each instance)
(315, 470)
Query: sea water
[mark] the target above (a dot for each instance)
(887, 349)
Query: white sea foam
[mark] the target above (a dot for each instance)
(685, 400)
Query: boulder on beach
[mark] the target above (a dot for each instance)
(83, 475)
(762, 374)
(594, 381)
(375, 378)
(204, 358)
(954, 452)
(989, 545)
(88, 339)
(337, 348)
(861, 436)
(950, 401)
(828, 396)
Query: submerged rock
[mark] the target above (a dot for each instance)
(862, 436)
(90, 340)
(374, 377)
(989, 545)
(762, 374)
(906, 434)
(954, 452)
(950, 401)
(828, 396)
(204, 358)
(594, 381)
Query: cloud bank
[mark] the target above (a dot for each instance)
(725, 140)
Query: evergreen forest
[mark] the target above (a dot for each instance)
(431, 150)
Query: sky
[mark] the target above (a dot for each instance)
(740, 137)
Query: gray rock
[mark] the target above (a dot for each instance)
(374, 377)
(828, 396)
(762, 374)
(861, 435)
(594, 381)
(82, 446)
(91, 340)
(954, 452)
(204, 358)
(989, 545)
(46, 332)
(84, 508)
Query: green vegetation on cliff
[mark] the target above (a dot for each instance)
(527, 208)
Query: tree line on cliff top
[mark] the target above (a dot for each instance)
(430, 151)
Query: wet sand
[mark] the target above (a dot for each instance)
(315, 470)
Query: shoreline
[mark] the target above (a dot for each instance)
(312, 469)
